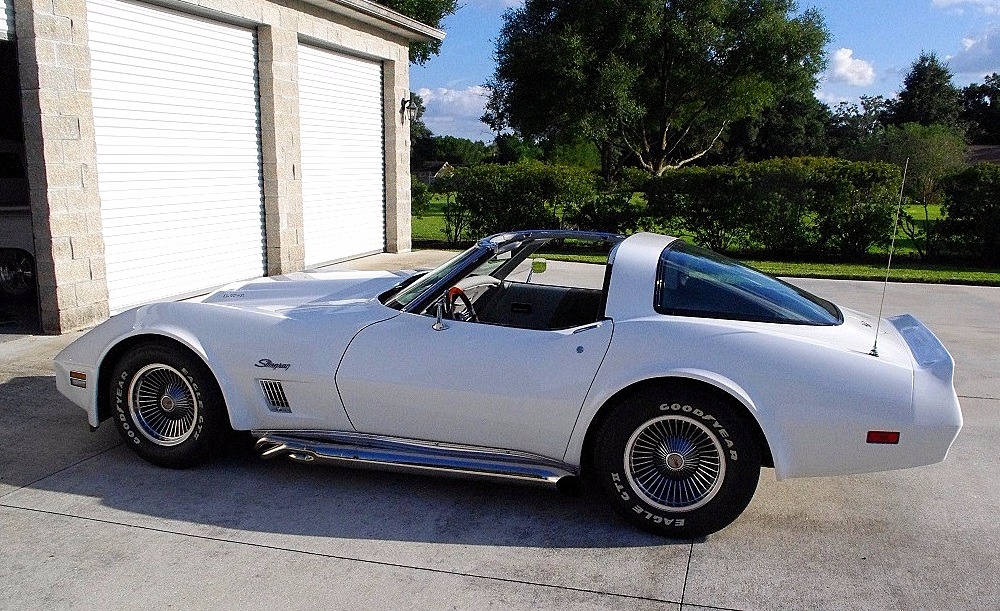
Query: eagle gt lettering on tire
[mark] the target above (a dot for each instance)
(167, 405)
(676, 461)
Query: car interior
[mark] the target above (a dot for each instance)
(512, 289)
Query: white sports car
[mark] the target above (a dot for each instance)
(665, 375)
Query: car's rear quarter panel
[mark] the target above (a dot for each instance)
(815, 391)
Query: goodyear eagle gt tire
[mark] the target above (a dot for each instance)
(676, 461)
(167, 406)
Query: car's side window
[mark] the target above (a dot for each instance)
(529, 290)
(695, 282)
(543, 294)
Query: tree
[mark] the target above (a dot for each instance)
(981, 110)
(856, 130)
(930, 153)
(656, 80)
(457, 151)
(431, 12)
(794, 127)
(928, 97)
(510, 148)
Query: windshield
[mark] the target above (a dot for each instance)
(401, 299)
(692, 281)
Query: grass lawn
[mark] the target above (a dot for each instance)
(428, 232)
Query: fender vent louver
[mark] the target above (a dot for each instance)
(275, 395)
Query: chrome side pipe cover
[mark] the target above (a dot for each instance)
(416, 456)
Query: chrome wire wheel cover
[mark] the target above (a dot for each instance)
(163, 404)
(675, 463)
(16, 275)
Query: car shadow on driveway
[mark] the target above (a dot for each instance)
(57, 465)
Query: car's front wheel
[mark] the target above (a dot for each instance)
(676, 461)
(167, 405)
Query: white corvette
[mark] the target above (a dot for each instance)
(664, 375)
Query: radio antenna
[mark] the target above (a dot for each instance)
(888, 267)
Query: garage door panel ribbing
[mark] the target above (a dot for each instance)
(7, 20)
(178, 153)
(343, 155)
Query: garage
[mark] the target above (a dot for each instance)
(170, 147)
(178, 155)
(343, 153)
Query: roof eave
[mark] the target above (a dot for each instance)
(381, 17)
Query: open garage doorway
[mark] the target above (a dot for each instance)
(18, 290)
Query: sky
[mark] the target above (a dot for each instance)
(873, 44)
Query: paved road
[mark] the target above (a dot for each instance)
(86, 525)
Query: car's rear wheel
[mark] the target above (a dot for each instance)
(167, 405)
(676, 461)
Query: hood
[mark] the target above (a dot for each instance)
(305, 289)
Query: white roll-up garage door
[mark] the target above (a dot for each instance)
(7, 20)
(178, 153)
(343, 158)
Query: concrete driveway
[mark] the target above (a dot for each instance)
(84, 524)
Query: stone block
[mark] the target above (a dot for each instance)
(65, 225)
(53, 27)
(82, 78)
(56, 78)
(60, 127)
(71, 271)
(39, 6)
(92, 292)
(72, 55)
(98, 269)
(86, 246)
(81, 32)
(74, 9)
(63, 175)
(45, 51)
(56, 297)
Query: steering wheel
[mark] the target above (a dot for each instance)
(457, 294)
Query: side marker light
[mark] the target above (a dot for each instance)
(78, 379)
(883, 437)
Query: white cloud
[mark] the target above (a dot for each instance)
(845, 68)
(987, 6)
(490, 4)
(829, 98)
(456, 112)
(980, 54)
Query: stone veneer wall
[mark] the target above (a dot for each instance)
(54, 60)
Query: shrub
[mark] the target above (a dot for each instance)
(855, 205)
(783, 206)
(610, 212)
(490, 198)
(420, 196)
(972, 213)
(708, 203)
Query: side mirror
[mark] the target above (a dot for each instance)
(538, 266)
(439, 314)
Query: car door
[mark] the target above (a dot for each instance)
(471, 383)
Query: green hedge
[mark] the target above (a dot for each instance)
(972, 214)
(801, 206)
(807, 208)
(491, 198)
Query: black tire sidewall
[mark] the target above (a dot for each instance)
(211, 415)
(742, 460)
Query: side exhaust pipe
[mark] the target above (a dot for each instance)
(413, 456)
